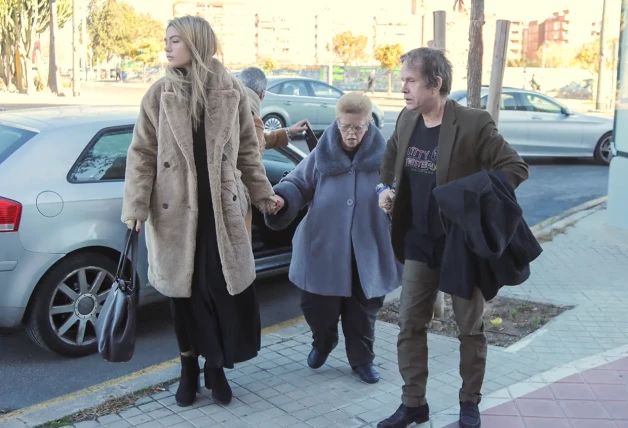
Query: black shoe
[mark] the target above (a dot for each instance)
(189, 384)
(469, 415)
(406, 416)
(368, 373)
(316, 359)
(216, 380)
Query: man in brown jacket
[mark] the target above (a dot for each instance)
(254, 81)
(434, 142)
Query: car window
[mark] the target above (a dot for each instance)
(11, 139)
(322, 90)
(541, 104)
(295, 88)
(274, 88)
(105, 160)
(277, 165)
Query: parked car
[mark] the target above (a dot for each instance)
(539, 126)
(577, 90)
(292, 98)
(61, 183)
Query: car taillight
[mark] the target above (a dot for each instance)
(10, 214)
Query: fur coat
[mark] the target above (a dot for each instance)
(161, 185)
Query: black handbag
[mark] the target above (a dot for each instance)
(116, 324)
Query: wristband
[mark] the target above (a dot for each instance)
(380, 188)
(288, 134)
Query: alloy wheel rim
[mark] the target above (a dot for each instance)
(272, 124)
(76, 303)
(605, 150)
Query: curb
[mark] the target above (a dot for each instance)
(539, 229)
(69, 404)
(92, 396)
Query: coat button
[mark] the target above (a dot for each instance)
(167, 164)
(350, 202)
(235, 198)
(351, 170)
(165, 206)
(224, 157)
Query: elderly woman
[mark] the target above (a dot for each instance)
(342, 256)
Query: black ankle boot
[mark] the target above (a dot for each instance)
(216, 380)
(190, 381)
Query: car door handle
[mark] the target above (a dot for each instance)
(285, 173)
(288, 103)
(537, 118)
(324, 105)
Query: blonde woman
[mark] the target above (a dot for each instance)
(342, 257)
(193, 169)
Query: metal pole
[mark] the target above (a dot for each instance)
(599, 100)
(440, 29)
(76, 57)
(499, 66)
(330, 71)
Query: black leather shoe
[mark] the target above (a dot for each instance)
(216, 380)
(368, 373)
(189, 383)
(406, 416)
(316, 359)
(469, 415)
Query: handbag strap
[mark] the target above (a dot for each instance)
(130, 245)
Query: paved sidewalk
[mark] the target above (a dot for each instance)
(587, 267)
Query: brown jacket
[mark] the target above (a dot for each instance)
(269, 140)
(161, 185)
(469, 142)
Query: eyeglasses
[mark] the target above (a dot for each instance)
(354, 128)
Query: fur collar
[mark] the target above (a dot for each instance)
(254, 100)
(331, 159)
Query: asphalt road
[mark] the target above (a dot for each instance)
(30, 376)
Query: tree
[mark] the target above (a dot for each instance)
(54, 78)
(269, 65)
(116, 29)
(476, 52)
(350, 48)
(389, 57)
(555, 55)
(20, 23)
(588, 56)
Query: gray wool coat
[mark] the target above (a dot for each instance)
(342, 211)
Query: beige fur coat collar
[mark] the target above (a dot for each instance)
(160, 186)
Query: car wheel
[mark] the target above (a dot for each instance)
(603, 151)
(273, 122)
(63, 310)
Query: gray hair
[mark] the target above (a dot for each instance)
(432, 64)
(254, 79)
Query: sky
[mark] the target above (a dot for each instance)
(514, 10)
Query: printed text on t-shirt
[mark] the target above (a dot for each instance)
(420, 160)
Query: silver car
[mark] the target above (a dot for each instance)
(292, 98)
(539, 126)
(61, 183)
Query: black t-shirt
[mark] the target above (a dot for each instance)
(425, 239)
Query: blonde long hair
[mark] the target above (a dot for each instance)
(190, 86)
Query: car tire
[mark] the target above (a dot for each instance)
(273, 122)
(80, 312)
(603, 152)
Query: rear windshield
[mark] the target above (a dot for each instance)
(11, 139)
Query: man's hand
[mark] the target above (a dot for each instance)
(386, 199)
(298, 127)
(137, 224)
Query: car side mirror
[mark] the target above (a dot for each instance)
(566, 111)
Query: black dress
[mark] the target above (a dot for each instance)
(222, 328)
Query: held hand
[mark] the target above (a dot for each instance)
(386, 199)
(298, 127)
(137, 224)
(276, 204)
